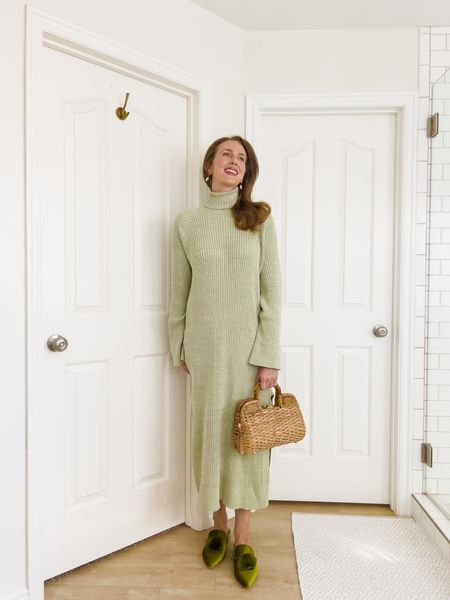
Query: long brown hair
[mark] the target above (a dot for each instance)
(247, 214)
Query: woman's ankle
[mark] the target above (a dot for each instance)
(221, 521)
(240, 539)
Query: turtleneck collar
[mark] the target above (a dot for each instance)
(222, 199)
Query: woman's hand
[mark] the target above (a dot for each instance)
(184, 367)
(266, 377)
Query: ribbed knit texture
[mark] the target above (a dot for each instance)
(224, 322)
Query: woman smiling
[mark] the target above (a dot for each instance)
(224, 330)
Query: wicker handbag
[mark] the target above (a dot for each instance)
(259, 427)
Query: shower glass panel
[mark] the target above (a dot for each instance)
(437, 403)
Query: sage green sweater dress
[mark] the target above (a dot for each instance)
(224, 322)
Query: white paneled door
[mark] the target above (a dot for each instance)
(111, 410)
(330, 180)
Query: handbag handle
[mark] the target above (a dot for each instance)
(277, 393)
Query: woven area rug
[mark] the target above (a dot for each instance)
(347, 557)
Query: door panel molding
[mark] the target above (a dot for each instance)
(403, 106)
(44, 30)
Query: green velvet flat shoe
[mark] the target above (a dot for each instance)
(215, 548)
(246, 568)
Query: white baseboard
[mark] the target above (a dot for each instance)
(22, 595)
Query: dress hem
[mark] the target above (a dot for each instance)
(228, 505)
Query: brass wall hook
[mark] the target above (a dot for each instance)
(121, 113)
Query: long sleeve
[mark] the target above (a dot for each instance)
(180, 281)
(266, 349)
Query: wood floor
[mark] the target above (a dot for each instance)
(169, 565)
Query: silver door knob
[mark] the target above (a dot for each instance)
(57, 343)
(380, 330)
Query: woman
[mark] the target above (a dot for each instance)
(224, 330)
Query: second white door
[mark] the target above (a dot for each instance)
(330, 179)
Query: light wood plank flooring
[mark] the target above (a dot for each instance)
(169, 565)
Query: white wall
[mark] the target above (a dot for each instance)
(333, 60)
(184, 35)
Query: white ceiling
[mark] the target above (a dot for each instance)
(259, 15)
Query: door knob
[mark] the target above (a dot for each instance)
(380, 330)
(57, 343)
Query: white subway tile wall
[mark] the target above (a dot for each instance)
(432, 385)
